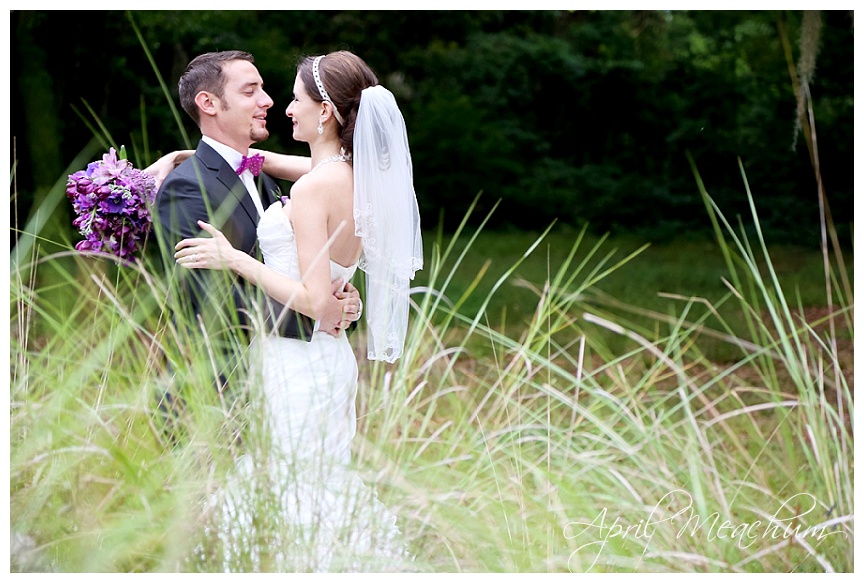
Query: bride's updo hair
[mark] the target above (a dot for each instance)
(344, 76)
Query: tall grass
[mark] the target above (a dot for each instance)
(588, 433)
(548, 449)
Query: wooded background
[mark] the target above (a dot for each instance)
(575, 116)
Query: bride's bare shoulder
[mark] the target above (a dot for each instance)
(331, 179)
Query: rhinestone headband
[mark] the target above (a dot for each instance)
(323, 91)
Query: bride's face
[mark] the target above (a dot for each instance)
(304, 113)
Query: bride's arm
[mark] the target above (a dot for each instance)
(313, 295)
(310, 203)
(216, 252)
(167, 163)
(284, 166)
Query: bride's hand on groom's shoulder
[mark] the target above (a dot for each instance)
(162, 167)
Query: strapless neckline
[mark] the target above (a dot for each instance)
(278, 246)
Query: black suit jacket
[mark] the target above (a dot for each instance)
(205, 187)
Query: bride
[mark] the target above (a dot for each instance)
(355, 208)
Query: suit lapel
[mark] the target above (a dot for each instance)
(229, 179)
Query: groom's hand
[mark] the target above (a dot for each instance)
(352, 305)
(343, 309)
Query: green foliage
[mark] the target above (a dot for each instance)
(575, 116)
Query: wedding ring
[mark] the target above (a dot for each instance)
(193, 258)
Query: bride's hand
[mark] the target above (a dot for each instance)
(204, 253)
(166, 164)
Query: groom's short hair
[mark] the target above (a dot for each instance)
(204, 73)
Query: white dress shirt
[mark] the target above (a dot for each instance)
(234, 158)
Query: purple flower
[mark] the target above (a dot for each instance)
(89, 245)
(112, 202)
(109, 169)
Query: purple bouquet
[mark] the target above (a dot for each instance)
(112, 200)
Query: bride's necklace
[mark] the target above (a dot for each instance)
(334, 158)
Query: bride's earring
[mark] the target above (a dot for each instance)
(320, 128)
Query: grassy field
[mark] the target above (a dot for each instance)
(576, 405)
(565, 403)
(657, 281)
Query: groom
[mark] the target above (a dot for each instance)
(223, 93)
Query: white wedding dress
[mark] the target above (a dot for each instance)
(325, 517)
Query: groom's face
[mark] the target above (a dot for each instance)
(244, 106)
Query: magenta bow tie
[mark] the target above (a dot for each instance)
(253, 163)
